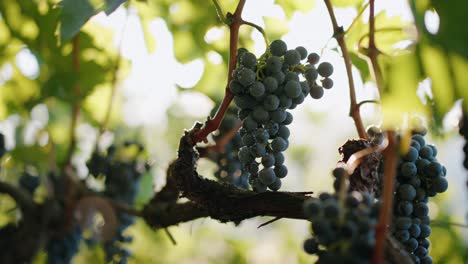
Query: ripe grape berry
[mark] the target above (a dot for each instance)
(264, 89)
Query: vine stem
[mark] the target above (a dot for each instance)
(368, 102)
(372, 51)
(390, 165)
(371, 24)
(379, 30)
(445, 223)
(453, 78)
(220, 12)
(115, 78)
(354, 111)
(357, 18)
(259, 29)
(76, 103)
(211, 124)
(221, 143)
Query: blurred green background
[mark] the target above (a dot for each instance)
(167, 63)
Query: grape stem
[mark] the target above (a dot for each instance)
(372, 51)
(221, 143)
(259, 29)
(357, 18)
(444, 223)
(368, 102)
(211, 124)
(354, 111)
(453, 79)
(76, 103)
(269, 222)
(115, 77)
(380, 30)
(342, 194)
(220, 13)
(390, 166)
(170, 236)
(67, 168)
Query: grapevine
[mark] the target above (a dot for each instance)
(62, 191)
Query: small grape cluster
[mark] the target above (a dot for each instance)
(343, 231)
(419, 177)
(121, 185)
(229, 167)
(61, 250)
(29, 182)
(463, 126)
(264, 89)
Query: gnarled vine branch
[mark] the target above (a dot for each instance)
(225, 202)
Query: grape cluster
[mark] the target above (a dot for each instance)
(61, 250)
(343, 232)
(229, 167)
(464, 132)
(29, 182)
(264, 89)
(121, 185)
(419, 177)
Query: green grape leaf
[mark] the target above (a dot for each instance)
(75, 13)
(59, 85)
(146, 189)
(17, 92)
(443, 53)
(34, 155)
(275, 27)
(402, 76)
(361, 65)
(112, 5)
(291, 6)
(452, 34)
(460, 67)
(388, 32)
(436, 67)
(346, 3)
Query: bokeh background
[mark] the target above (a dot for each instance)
(172, 73)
